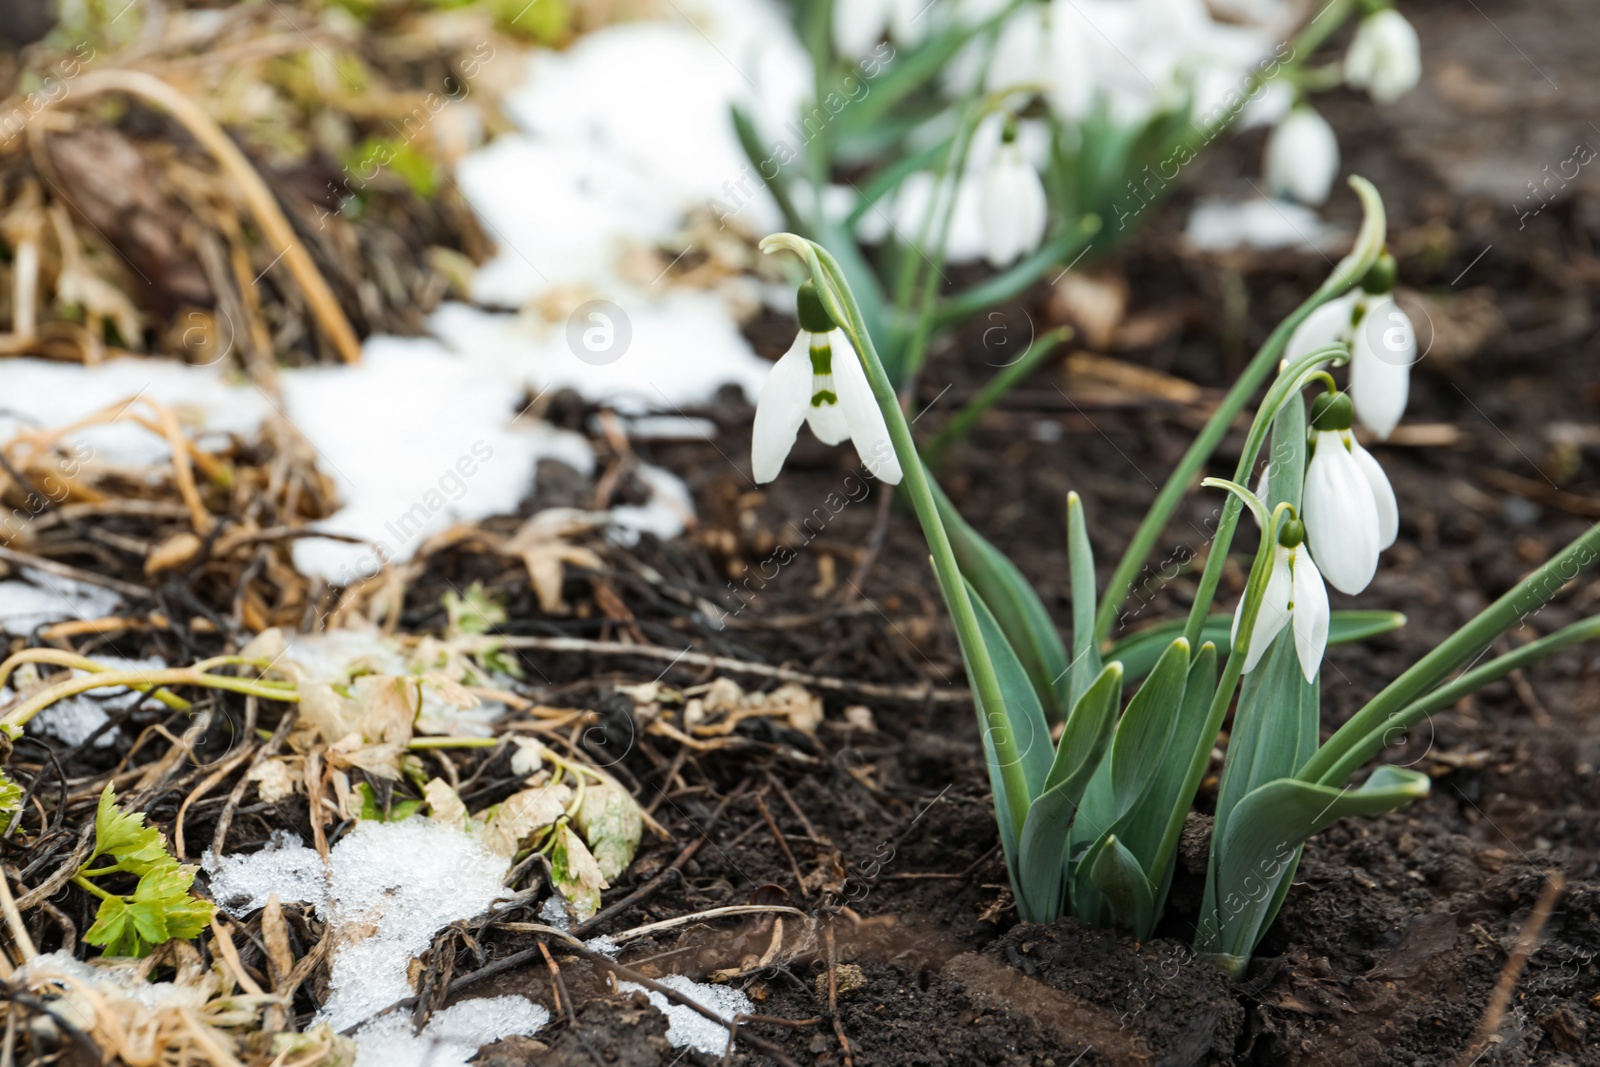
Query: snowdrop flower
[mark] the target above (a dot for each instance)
(1385, 58)
(1014, 208)
(1294, 596)
(1302, 157)
(1383, 346)
(858, 25)
(819, 381)
(1349, 510)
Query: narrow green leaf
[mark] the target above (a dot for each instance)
(1042, 851)
(1080, 559)
(1023, 711)
(1147, 727)
(1139, 651)
(1017, 609)
(1261, 842)
(1121, 881)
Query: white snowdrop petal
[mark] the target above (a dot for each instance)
(1385, 56)
(1310, 615)
(1302, 157)
(867, 428)
(1382, 495)
(908, 21)
(1014, 207)
(785, 400)
(827, 421)
(1324, 326)
(1340, 515)
(1380, 365)
(858, 25)
(1274, 613)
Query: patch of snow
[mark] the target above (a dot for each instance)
(40, 599)
(388, 888)
(452, 1037)
(670, 509)
(242, 883)
(683, 347)
(415, 439)
(553, 912)
(73, 720)
(45, 393)
(1218, 225)
(685, 1026)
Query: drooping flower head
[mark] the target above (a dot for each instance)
(1349, 508)
(819, 381)
(1014, 207)
(1294, 596)
(1385, 57)
(1382, 340)
(1302, 157)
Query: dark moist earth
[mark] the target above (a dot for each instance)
(1397, 929)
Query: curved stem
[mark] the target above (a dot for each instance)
(836, 297)
(1369, 244)
(1291, 379)
(58, 658)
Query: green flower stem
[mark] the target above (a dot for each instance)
(1290, 381)
(993, 390)
(83, 883)
(839, 301)
(1369, 244)
(1353, 743)
(1465, 684)
(19, 716)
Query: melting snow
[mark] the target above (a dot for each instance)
(685, 1026)
(389, 887)
(452, 1037)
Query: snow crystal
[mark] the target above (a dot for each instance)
(46, 598)
(685, 1026)
(452, 1036)
(553, 912)
(242, 883)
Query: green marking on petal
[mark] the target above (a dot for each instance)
(823, 396)
(821, 356)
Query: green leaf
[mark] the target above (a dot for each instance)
(1260, 846)
(1023, 711)
(1139, 651)
(109, 923)
(1017, 609)
(1041, 854)
(124, 836)
(1146, 729)
(1080, 560)
(1116, 873)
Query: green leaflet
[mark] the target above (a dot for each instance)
(1017, 609)
(161, 907)
(611, 824)
(1042, 852)
(574, 871)
(1139, 652)
(1259, 848)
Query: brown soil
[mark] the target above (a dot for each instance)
(1397, 929)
